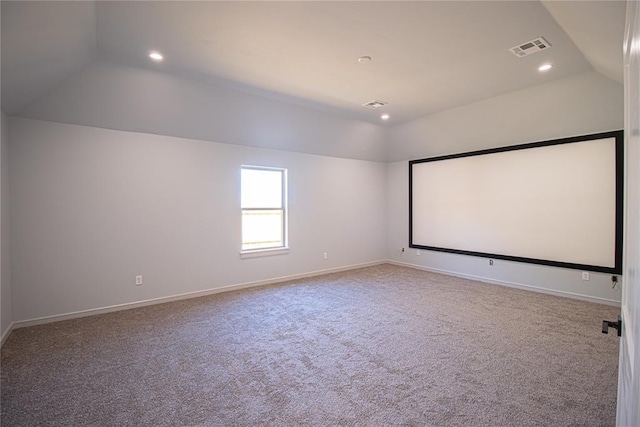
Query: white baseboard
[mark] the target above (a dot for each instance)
(160, 300)
(6, 333)
(588, 298)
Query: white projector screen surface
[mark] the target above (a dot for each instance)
(555, 203)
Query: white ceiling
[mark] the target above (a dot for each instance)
(427, 56)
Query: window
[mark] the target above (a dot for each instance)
(264, 208)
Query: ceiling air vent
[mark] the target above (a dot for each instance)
(374, 104)
(530, 47)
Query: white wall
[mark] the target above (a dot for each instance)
(91, 208)
(579, 105)
(119, 97)
(6, 314)
(583, 104)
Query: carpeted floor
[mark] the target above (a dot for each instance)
(379, 346)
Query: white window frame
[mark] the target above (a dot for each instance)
(267, 251)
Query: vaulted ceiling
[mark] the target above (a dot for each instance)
(426, 56)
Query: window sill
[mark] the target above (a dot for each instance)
(263, 252)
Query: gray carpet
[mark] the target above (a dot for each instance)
(379, 346)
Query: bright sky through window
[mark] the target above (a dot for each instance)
(263, 208)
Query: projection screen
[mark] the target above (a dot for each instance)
(554, 203)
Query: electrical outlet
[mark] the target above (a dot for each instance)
(417, 252)
(490, 262)
(325, 256)
(138, 280)
(585, 275)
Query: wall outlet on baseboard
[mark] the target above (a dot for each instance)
(585, 275)
(138, 280)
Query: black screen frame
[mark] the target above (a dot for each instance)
(619, 202)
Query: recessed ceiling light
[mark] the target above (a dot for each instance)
(545, 67)
(156, 56)
(385, 116)
(364, 59)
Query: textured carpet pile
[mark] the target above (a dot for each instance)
(378, 346)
